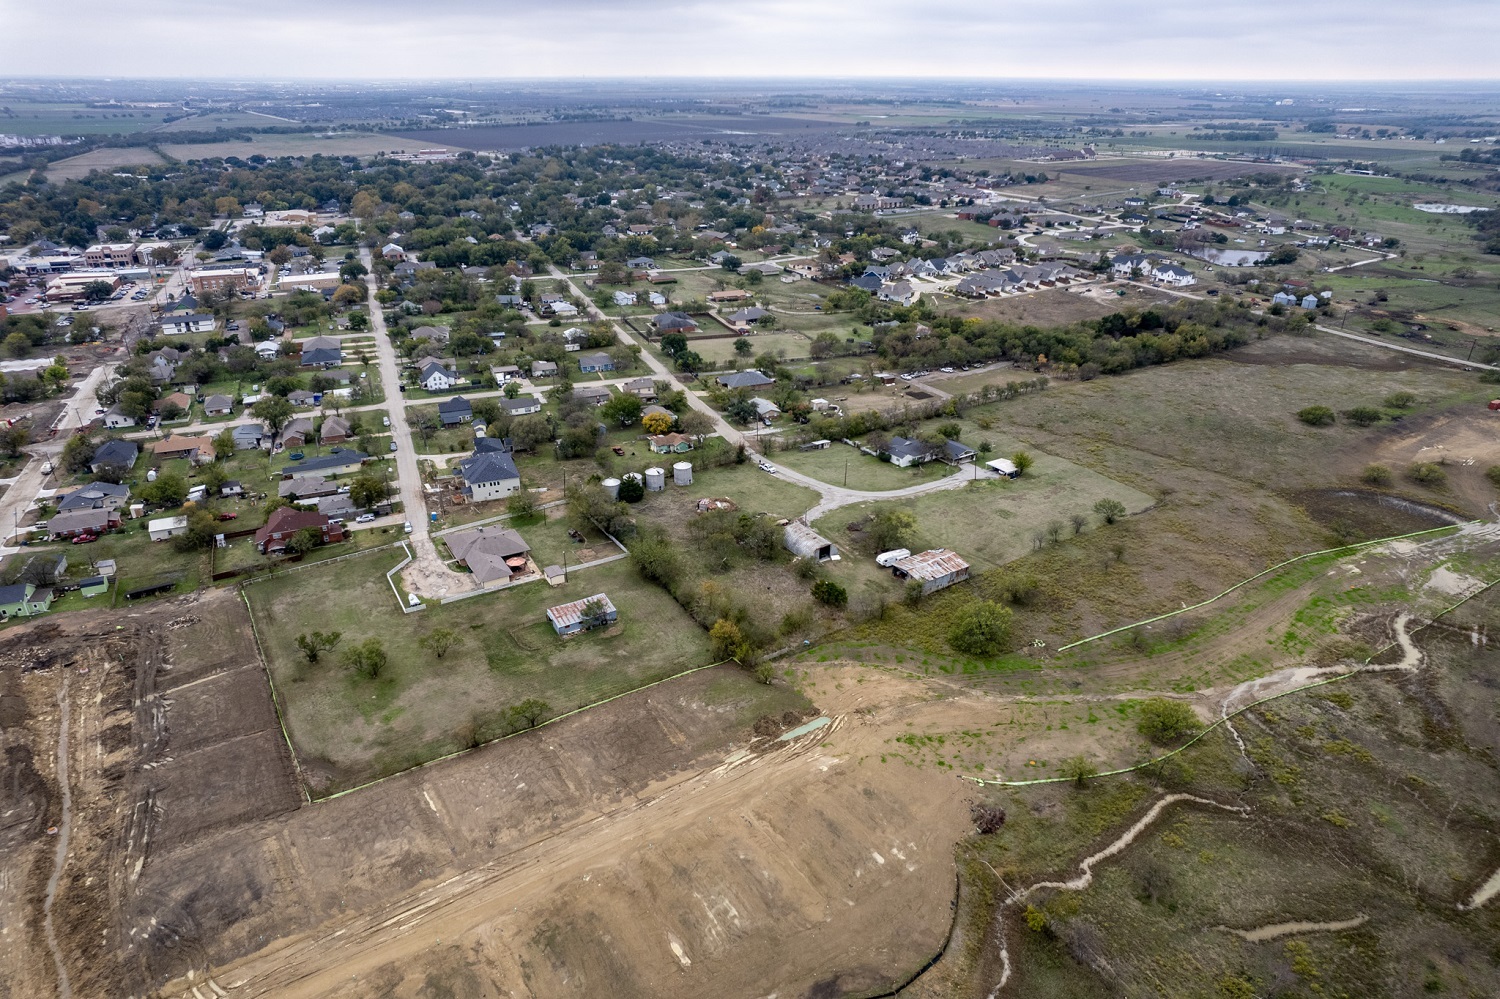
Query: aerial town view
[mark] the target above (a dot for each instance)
(501, 505)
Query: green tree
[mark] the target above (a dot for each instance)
(1316, 416)
(439, 641)
(529, 713)
(18, 344)
(727, 640)
(632, 490)
(1364, 416)
(826, 591)
(1376, 475)
(623, 409)
(304, 541)
(1401, 400)
(201, 528)
(1165, 721)
(1110, 510)
(1023, 462)
(981, 629)
(1427, 473)
(891, 529)
(690, 362)
(672, 344)
(526, 432)
(368, 659)
(368, 489)
(315, 644)
(274, 411)
(743, 347)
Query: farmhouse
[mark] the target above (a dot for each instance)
(434, 376)
(905, 452)
(804, 542)
(936, 569)
(583, 615)
(492, 554)
(670, 443)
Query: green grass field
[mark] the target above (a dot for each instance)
(355, 729)
(841, 465)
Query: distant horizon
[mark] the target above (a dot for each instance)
(1372, 83)
(1149, 41)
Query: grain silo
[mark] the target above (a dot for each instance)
(682, 473)
(612, 487)
(656, 480)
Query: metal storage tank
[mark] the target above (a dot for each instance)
(633, 476)
(612, 486)
(682, 473)
(656, 480)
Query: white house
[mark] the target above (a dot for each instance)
(489, 475)
(196, 323)
(167, 527)
(116, 419)
(434, 377)
(1171, 274)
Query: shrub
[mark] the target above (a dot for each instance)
(727, 641)
(1364, 416)
(982, 629)
(1400, 400)
(1427, 473)
(632, 489)
(1078, 769)
(1376, 475)
(1110, 510)
(1316, 416)
(1165, 721)
(826, 591)
(1023, 462)
(1493, 474)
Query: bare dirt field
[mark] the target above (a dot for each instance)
(652, 847)
(309, 144)
(1055, 307)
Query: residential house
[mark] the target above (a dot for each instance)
(175, 325)
(95, 496)
(867, 282)
(297, 432)
(117, 455)
(26, 600)
(286, 521)
(218, 405)
(574, 339)
(729, 295)
(905, 452)
(455, 411)
(164, 528)
(76, 522)
(321, 357)
(673, 322)
(935, 569)
(336, 462)
(751, 379)
(303, 399)
(506, 373)
(641, 263)
(592, 363)
(955, 452)
(656, 298)
(670, 443)
(116, 420)
(435, 377)
(1173, 276)
(597, 394)
(624, 299)
(543, 369)
(335, 430)
(491, 554)
(93, 586)
(248, 436)
(181, 401)
(583, 615)
(198, 450)
(231, 488)
(765, 409)
(643, 387)
(745, 317)
(900, 292)
(522, 405)
(489, 475)
(301, 487)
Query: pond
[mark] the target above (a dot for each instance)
(1231, 258)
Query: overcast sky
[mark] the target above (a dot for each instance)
(1106, 39)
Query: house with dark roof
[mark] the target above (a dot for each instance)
(673, 322)
(751, 379)
(76, 522)
(116, 454)
(95, 496)
(297, 432)
(218, 405)
(303, 487)
(905, 452)
(286, 521)
(24, 600)
(248, 436)
(434, 376)
(592, 363)
(454, 411)
(596, 394)
(543, 369)
(956, 452)
(335, 462)
(335, 430)
(322, 357)
(492, 554)
(522, 405)
(489, 475)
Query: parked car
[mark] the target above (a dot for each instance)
(406, 527)
(365, 518)
(229, 516)
(393, 445)
(385, 421)
(84, 539)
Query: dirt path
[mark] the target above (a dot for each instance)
(1486, 891)
(63, 831)
(1263, 933)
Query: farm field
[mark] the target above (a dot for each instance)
(347, 729)
(80, 166)
(299, 144)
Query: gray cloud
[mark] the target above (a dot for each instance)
(591, 39)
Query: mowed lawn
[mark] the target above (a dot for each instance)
(994, 520)
(841, 465)
(348, 729)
